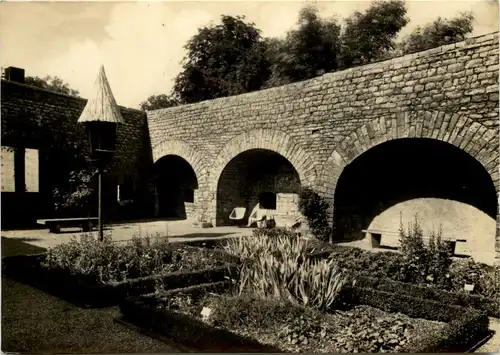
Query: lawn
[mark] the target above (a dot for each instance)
(35, 322)
(18, 246)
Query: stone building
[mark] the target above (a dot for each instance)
(366, 138)
(32, 118)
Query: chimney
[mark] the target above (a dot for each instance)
(14, 74)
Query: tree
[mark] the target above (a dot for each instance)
(371, 35)
(55, 84)
(74, 199)
(438, 33)
(156, 102)
(308, 51)
(222, 60)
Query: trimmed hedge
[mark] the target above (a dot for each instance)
(85, 292)
(466, 326)
(490, 306)
(384, 267)
(189, 331)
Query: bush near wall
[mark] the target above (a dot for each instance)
(315, 208)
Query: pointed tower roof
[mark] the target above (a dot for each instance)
(101, 106)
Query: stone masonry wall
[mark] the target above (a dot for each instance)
(22, 104)
(311, 118)
(448, 93)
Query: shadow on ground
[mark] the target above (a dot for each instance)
(200, 235)
(35, 322)
(18, 246)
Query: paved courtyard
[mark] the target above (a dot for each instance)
(177, 230)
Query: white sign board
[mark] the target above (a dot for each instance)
(8, 178)
(31, 170)
(205, 312)
(469, 287)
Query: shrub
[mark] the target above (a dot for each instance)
(87, 257)
(392, 265)
(424, 264)
(315, 209)
(106, 261)
(317, 283)
(490, 305)
(75, 200)
(465, 325)
(439, 260)
(276, 266)
(281, 242)
(486, 279)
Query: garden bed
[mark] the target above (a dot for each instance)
(366, 321)
(490, 305)
(382, 271)
(95, 286)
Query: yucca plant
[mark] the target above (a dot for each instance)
(275, 265)
(282, 243)
(317, 283)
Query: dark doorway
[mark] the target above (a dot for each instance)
(252, 177)
(175, 182)
(410, 170)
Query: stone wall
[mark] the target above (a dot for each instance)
(320, 125)
(24, 108)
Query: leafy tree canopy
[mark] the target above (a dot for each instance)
(438, 33)
(308, 51)
(52, 83)
(156, 102)
(370, 35)
(222, 60)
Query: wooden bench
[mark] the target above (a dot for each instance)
(55, 225)
(375, 238)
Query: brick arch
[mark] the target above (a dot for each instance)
(185, 151)
(472, 137)
(277, 141)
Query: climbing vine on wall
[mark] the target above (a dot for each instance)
(75, 200)
(315, 208)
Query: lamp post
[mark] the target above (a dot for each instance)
(101, 117)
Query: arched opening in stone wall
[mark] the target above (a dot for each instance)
(175, 183)
(437, 181)
(257, 176)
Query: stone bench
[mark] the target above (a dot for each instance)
(375, 238)
(55, 225)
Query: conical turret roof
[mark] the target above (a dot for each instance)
(101, 106)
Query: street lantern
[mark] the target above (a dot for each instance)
(101, 117)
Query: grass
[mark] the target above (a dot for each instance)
(11, 247)
(35, 322)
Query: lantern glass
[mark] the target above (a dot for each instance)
(102, 137)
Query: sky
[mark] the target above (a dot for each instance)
(141, 44)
